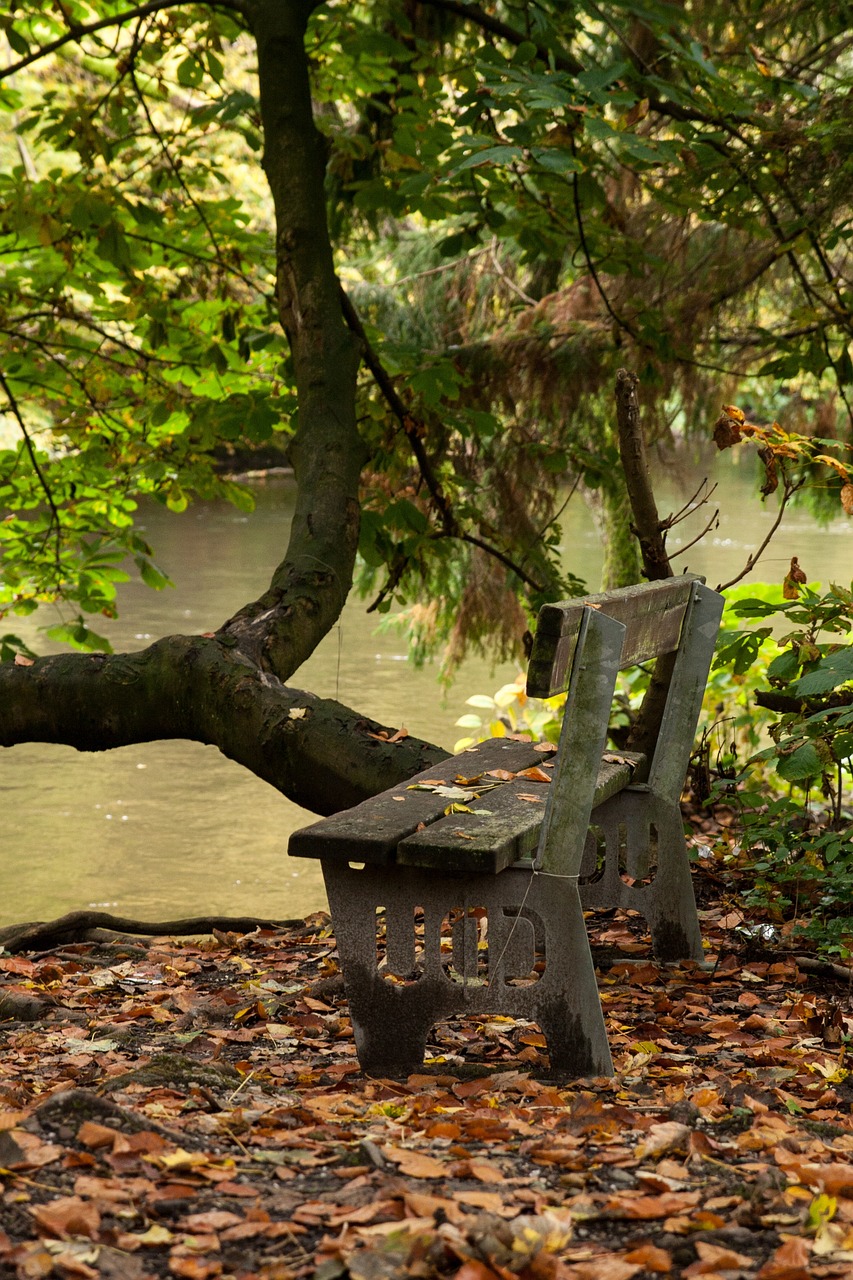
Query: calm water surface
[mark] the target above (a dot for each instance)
(165, 830)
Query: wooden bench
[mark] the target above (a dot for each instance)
(476, 873)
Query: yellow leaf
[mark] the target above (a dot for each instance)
(833, 462)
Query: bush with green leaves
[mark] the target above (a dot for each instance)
(794, 791)
(776, 731)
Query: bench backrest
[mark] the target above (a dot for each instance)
(652, 613)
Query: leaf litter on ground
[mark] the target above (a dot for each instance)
(195, 1109)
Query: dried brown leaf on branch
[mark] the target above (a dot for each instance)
(793, 580)
(771, 471)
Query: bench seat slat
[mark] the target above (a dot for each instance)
(371, 831)
(472, 842)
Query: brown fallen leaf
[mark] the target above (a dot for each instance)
(95, 1135)
(604, 1269)
(651, 1258)
(789, 1262)
(520, 795)
(668, 1136)
(68, 1216)
(714, 1258)
(415, 1163)
(534, 774)
(646, 1208)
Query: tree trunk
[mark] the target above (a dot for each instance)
(226, 688)
(308, 589)
(610, 508)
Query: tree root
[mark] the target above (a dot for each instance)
(824, 968)
(74, 1106)
(18, 1008)
(77, 926)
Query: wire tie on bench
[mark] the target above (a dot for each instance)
(534, 871)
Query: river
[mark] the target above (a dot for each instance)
(173, 829)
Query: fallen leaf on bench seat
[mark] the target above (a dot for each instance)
(534, 774)
(610, 757)
(532, 799)
(384, 736)
(449, 793)
(503, 775)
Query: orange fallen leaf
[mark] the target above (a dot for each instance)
(211, 1220)
(95, 1135)
(420, 1204)
(651, 1258)
(605, 1269)
(714, 1258)
(789, 1262)
(488, 1201)
(443, 1129)
(646, 1208)
(415, 1163)
(473, 1269)
(68, 1216)
(535, 774)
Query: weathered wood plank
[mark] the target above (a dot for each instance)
(652, 613)
(371, 831)
(489, 842)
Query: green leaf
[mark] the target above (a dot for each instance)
(17, 42)
(833, 670)
(785, 667)
(79, 636)
(800, 764)
(151, 575)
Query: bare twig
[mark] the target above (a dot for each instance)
(617, 319)
(77, 31)
(473, 13)
(682, 513)
(55, 522)
(647, 526)
(413, 429)
(713, 523)
(791, 488)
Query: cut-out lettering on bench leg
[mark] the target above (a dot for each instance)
(518, 954)
(594, 857)
(465, 952)
(396, 934)
(638, 858)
